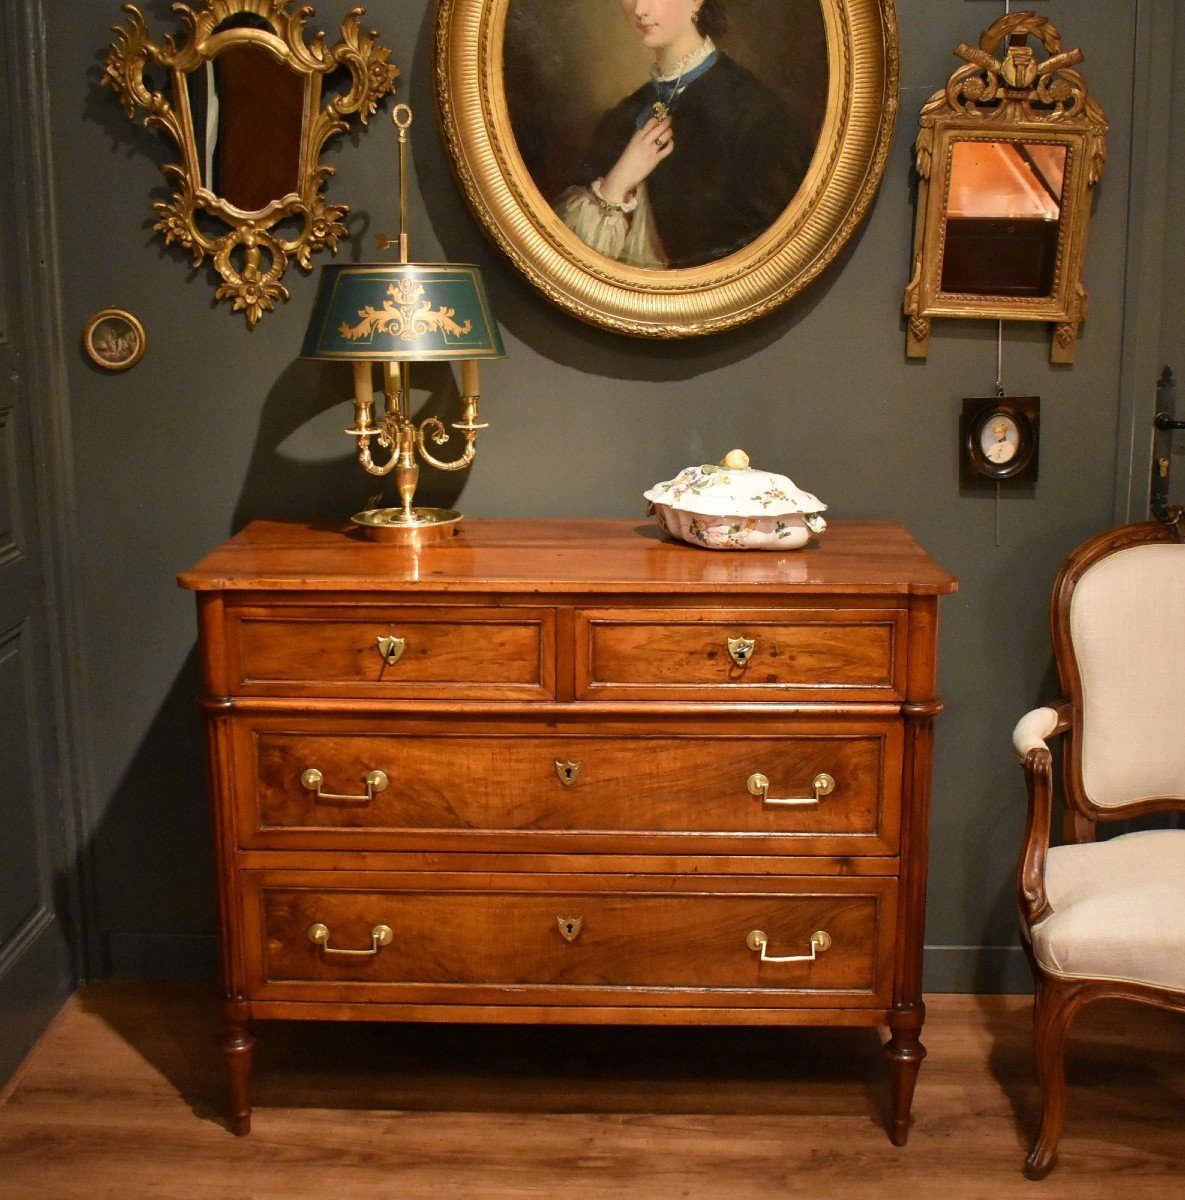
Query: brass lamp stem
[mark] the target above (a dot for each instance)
(407, 470)
(401, 115)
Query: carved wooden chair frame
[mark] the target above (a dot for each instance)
(1058, 999)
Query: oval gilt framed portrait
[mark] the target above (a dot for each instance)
(667, 168)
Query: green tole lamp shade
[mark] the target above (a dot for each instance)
(412, 312)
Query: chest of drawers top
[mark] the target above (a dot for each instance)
(554, 557)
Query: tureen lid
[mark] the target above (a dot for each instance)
(733, 489)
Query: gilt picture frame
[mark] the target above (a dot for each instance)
(243, 99)
(525, 90)
(983, 250)
(114, 339)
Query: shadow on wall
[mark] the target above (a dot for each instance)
(153, 849)
(303, 462)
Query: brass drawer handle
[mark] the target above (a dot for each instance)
(380, 935)
(823, 785)
(820, 941)
(376, 781)
(391, 649)
(740, 649)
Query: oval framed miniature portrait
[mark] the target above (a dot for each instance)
(1000, 438)
(114, 340)
(667, 168)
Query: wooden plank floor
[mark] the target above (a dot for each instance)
(123, 1098)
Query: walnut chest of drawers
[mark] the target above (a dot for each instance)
(570, 771)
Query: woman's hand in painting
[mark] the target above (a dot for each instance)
(643, 152)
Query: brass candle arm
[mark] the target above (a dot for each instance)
(397, 432)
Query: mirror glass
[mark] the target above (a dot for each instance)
(1003, 218)
(248, 111)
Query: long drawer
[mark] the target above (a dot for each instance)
(536, 939)
(746, 654)
(821, 786)
(373, 651)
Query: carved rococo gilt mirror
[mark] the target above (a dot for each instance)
(671, 177)
(243, 103)
(1008, 154)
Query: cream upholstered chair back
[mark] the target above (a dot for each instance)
(1127, 632)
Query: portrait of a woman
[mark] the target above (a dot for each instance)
(695, 163)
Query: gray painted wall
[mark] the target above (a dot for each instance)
(218, 425)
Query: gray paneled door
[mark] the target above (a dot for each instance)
(36, 971)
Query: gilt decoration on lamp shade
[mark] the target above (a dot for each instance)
(405, 312)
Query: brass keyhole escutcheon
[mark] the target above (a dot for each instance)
(567, 771)
(740, 649)
(570, 927)
(391, 649)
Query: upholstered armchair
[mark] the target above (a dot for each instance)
(1106, 919)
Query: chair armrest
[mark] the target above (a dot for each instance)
(1029, 742)
(1035, 727)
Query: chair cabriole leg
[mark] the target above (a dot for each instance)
(1055, 1006)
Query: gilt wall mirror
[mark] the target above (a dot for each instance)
(249, 104)
(761, 127)
(1007, 157)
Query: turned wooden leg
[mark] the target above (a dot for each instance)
(238, 1046)
(905, 1052)
(1055, 1006)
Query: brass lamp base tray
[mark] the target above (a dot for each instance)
(391, 525)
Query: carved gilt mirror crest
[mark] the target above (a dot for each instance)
(1007, 157)
(243, 104)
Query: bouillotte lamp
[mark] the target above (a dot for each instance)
(397, 314)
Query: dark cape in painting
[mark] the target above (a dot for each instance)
(739, 158)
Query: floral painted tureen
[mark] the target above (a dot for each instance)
(733, 507)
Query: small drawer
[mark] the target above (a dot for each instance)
(364, 651)
(714, 654)
(531, 938)
(827, 787)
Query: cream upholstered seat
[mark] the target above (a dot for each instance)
(1106, 918)
(1099, 893)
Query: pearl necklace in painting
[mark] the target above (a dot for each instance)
(661, 109)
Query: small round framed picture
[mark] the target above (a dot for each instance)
(1000, 437)
(114, 340)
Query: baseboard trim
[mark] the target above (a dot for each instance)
(988, 970)
(37, 983)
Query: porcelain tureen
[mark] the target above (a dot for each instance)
(733, 507)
